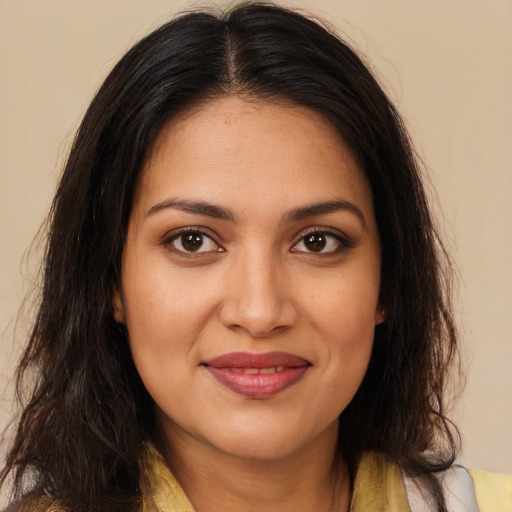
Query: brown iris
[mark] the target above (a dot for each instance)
(192, 241)
(315, 242)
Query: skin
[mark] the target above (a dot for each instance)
(255, 286)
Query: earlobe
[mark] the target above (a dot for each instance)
(380, 315)
(117, 306)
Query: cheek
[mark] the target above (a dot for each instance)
(164, 312)
(343, 320)
(344, 305)
(164, 317)
(348, 341)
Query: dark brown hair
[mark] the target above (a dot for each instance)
(80, 433)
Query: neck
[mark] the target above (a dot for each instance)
(311, 478)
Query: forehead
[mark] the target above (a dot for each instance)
(251, 153)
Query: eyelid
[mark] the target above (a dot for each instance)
(321, 229)
(192, 229)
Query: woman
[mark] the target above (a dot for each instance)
(245, 301)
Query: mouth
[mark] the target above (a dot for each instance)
(257, 375)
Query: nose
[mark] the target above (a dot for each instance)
(259, 299)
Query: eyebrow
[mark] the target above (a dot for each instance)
(294, 215)
(324, 208)
(194, 207)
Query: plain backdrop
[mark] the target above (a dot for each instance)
(445, 63)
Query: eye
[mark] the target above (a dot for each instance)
(191, 242)
(320, 242)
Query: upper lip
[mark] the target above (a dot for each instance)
(252, 360)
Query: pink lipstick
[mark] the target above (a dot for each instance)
(257, 375)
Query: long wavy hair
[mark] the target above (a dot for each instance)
(80, 432)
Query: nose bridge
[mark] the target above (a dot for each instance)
(258, 300)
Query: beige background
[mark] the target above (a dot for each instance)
(447, 64)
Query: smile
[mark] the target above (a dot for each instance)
(257, 375)
(272, 369)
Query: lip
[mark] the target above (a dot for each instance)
(231, 370)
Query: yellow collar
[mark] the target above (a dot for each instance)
(378, 486)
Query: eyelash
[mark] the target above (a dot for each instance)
(343, 242)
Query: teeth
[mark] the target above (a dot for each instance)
(254, 371)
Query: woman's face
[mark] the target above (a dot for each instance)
(250, 278)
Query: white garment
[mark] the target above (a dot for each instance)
(457, 485)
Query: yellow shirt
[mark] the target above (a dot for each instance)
(493, 491)
(378, 487)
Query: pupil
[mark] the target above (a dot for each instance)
(315, 242)
(192, 241)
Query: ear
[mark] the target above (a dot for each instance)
(117, 305)
(380, 315)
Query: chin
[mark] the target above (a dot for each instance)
(268, 441)
(260, 448)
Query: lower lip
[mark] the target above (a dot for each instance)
(258, 385)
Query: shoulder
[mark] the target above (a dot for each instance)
(493, 490)
(466, 490)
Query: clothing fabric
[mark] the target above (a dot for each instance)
(379, 486)
(459, 492)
